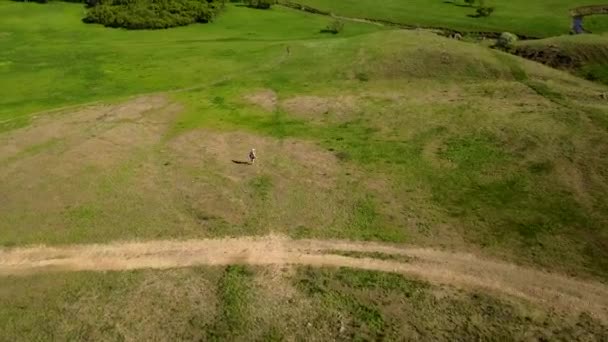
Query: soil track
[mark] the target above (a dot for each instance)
(439, 267)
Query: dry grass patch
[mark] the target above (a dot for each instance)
(266, 99)
(66, 166)
(281, 310)
(49, 157)
(271, 303)
(97, 172)
(146, 305)
(292, 183)
(85, 123)
(225, 154)
(99, 135)
(431, 153)
(316, 108)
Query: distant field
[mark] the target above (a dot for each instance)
(49, 58)
(540, 18)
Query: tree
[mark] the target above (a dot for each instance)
(334, 27)
(260, 4)
(506, 41)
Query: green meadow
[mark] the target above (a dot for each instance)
(373, 134)
(528, 18)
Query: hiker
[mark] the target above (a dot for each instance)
(252, 156)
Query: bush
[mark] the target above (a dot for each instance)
(506, 41)
(260, 4)
(362, 76)
(334, 27)
(484, 11)
(47, 1)
(151, 14)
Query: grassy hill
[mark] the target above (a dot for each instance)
(529, 18)
(585, 55)
(371, 134)
(391, 135)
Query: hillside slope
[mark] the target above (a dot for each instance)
(585, 55)
(474, 179)
(394, 136)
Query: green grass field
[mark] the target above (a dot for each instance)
(240, 303)
(528, 18)
(372, 134)
(75, 63)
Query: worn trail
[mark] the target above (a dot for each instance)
(439, 267)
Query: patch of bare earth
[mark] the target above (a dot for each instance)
(419, 94)
(97, 136)
(320, 108)
(56, 162)
(79, 125)
(440, 267)
(431, 151)
(266, 99)
(222, 183)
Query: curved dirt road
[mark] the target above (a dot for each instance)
(456, 269)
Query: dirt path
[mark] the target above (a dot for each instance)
(456, 269)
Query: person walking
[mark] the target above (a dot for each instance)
(252, 156)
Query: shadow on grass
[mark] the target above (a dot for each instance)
(240, 162)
